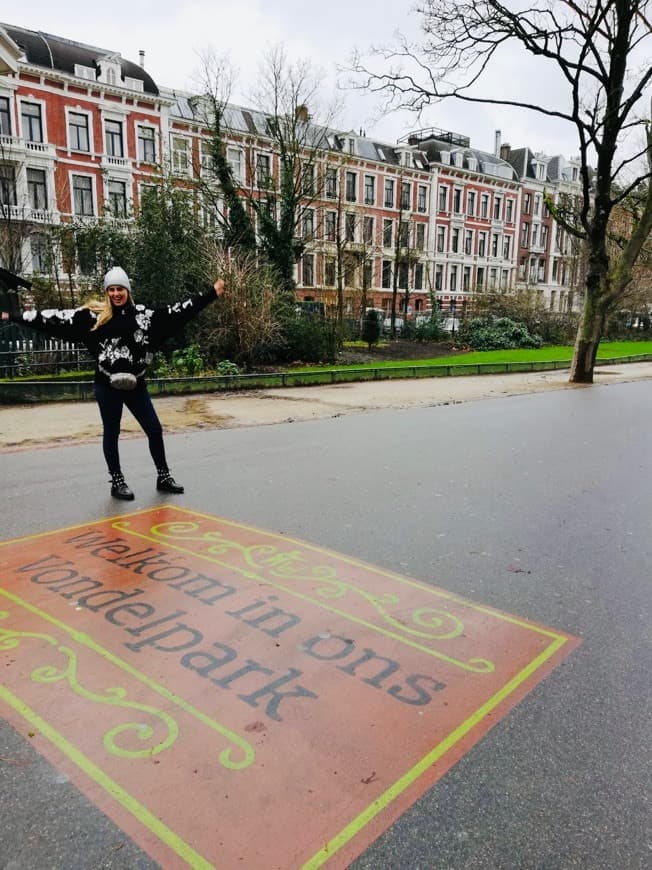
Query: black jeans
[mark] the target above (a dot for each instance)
(111, 403)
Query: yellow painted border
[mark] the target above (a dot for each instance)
(133, 806)
(384, 800)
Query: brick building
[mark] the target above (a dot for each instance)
(82, 130)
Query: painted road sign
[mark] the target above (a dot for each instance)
(236, 698)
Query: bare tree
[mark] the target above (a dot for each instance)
(275, 197)
(597, 49)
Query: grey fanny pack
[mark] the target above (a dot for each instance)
(122, 380)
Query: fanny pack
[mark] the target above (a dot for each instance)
(122, 380)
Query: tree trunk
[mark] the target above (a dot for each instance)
(588, 338)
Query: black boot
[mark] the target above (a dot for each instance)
(166, 483)
(119, 488)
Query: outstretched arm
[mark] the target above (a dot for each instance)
(171, 318)
(71, 324)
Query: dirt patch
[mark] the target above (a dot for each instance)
(399, 349)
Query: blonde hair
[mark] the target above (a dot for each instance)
(104, 309)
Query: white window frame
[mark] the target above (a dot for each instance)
(93, 178)
(138, 125)
(77, 110)
(186, 170)
(28, 98)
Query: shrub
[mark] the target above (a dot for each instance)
(497, 333)
(226, 368)
(371, 328)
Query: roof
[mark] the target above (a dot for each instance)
(60, 54)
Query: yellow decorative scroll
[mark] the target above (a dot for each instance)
(270, 564)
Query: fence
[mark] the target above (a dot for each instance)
(20, 391)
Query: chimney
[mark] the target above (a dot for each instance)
(497, 144)
(141, 54)
(505, 151)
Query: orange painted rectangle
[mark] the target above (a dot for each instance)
(232, 697)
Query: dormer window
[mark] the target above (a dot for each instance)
(110, 72)
(134, 84)
(446, 157)
(458, 158)
(85, 72)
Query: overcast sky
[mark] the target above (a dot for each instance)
(173, 34)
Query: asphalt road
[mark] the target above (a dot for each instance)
(538, 505)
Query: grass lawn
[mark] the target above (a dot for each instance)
(606, 350)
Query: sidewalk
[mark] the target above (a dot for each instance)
(28, 426)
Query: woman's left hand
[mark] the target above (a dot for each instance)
(219, 287)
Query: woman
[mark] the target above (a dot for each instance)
(122, 338)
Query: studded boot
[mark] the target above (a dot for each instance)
(119, 488)
(166, 483)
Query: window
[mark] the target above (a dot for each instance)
(263, 170)
(457, 200)
(308, 180)
(406, 195)
(234, 158)
(420, 237)
(369, 190)
(422, 198)
(78, 137)
(537, 204)
(37, 196)
(403, 275)
(180, 155)
(308, 270)
(527, 203)
(388, 233)
(439, 278)
(330, 226)
(331, 183)
(146, 145)
(7, 185)
(367, 274)
(482, 244)
(442, 198)
(368, 231)
(479, 278)
(484, 205)
(39, 250)
(470, 203)
(386, 281)
(521, 269)
(466, 279)
(32, 123)
(82, 195)
(468, 242)
(329, 271)
(350, 185)
(389, 193)
(506, 246)
(117, 191)
(498, 207)
(455, 240)
(534, 235)
(509, 211)
(349, 227)
(525, 232)
(418, 276)
(5, 117)
(113, 135)
(404, 234)
(544, 236)
(494, 244)
(441, 239)
(453, 278)
(308, 224)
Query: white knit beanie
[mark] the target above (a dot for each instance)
(117, 277)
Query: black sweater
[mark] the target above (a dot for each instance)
(126, 342)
